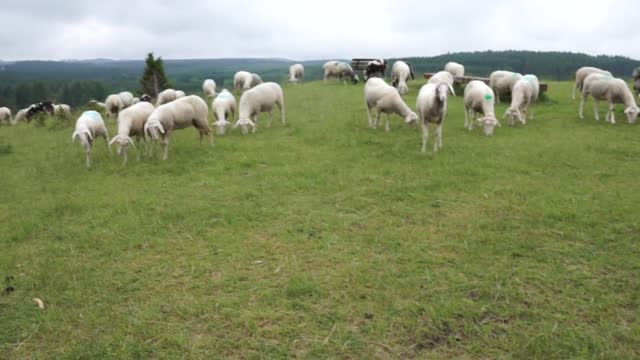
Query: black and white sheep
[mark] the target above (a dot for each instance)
(375, 68)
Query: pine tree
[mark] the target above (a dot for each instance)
(153, 79)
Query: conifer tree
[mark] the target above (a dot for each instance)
(153, 79)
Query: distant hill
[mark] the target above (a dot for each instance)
(77, 81)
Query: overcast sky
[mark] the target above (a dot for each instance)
(303, 30)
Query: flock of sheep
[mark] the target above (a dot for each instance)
(174, 110)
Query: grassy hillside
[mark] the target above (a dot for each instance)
(323, 238)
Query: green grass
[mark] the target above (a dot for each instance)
(326, 239)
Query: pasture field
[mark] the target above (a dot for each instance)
(323, 238)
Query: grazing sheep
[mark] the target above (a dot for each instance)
(209, 88)
(441, 76)
(97, 105)
(127, 99)
(5, 116)
(581, 75)
(180, 94)
(223, 107)
(242, 80)
(615, 91)
(131, 123)
(89, 126)
(431, 106)
(479, 99)
(114, 105)
(296, 73)
(375, 68)
(135, 100)
(166, 96)
(455, 69)
(261, 98)
(340, 70)
(146, 97)
(37, 108)
(384, 98)
(62, 109)
(400, 73)
(521, 97)
(179, 114)
(21, 115)
(502, 82)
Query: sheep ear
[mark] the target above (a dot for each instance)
(451, 89)
(114, 139)
(89, 134)
(131, 142)
(74, 136)
(498, 123)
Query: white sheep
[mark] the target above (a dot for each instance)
(180, 94)
(255, 80)
(114, 105)
(340, 70)
(5, 115)
(179, 114)
(400, 74)
(223, 107)
(21, 115)
(89, 126)
(98, 105)
(261, 98)
(62, 109)
(479, 99)
(242, 80)
(131, 123)
(522, 96)
(431, 106)
(581, 75)
(296, 73)
(135, 100)
(166, 96)
(209, 88)
(127, 98)
(502, 82)
(455, 69)
(384, 98)
(441, 76)
(615, 91)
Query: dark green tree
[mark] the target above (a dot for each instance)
(153, 79)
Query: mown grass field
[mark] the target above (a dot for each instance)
(326, 239)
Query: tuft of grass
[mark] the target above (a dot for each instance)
(323, 238)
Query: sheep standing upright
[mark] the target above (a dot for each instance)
(242, 80)
(456, 70)
(615, 91)
(441, 76)
(400, 74)
(131, 123)
(479, 99)
(581, 75)
(166, 96)
(89, 126)
(62, 109)
(223, 107)
(127, 98)
(261, 98)
(432, 108)
(384, 98)
(209, 88)
(296, 73)
(502, 82)
(5, 116)
(179, 114)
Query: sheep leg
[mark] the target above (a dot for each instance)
(438, 141)
(466, 118)
(369, 115)
(612, 117)
(581, 112)
(105, 135)
(425, 135)
(281, 107)
(270, 118)
(595, 110)
(386, 128)
(87, 157)
(165, 146)
(375, 122)
(255, 123)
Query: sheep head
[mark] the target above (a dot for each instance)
(410, 119)
(123, 143)
(221, 126)
(488, 123)
(514, 114)
(244, 125)
(632, 113)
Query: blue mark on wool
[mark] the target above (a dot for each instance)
(93, 115)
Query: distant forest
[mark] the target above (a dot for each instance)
(76, 82)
